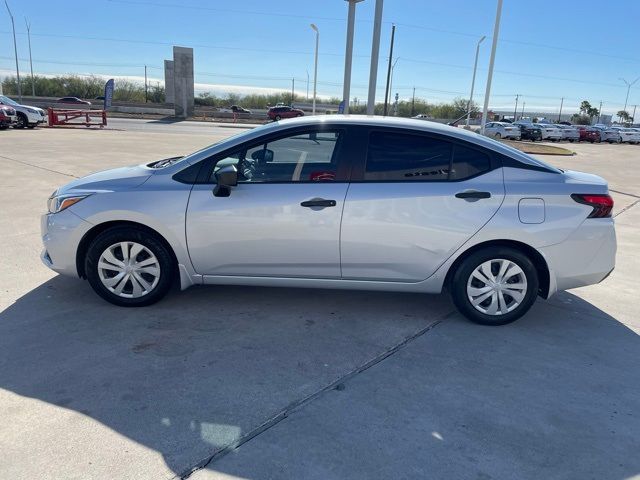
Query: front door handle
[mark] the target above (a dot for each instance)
(473, 195)
(319, 202)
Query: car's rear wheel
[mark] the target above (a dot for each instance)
(498, 136)
(278, 118)
(495, 286)
(129, 266)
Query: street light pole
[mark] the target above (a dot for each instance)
(15, 51)
(629, 85)
(146, 88)
(473, 79)
(494, 44)
(307, 85)
(33, 84)
(560, 114)
(515, 110)
(375, 52)
(393, 68)
(315, 67)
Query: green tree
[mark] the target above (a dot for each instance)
(624, 116)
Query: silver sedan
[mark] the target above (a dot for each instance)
(502, 130)
(339, 202)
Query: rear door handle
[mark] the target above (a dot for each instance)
(473, 194)
(319, 202)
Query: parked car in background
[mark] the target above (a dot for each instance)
(7, 116)
(608, 134)
(502, 130)
(307, 203)
(280, 112)
(569, 133)
(549, 131)
(588, 134)
(422, 116)
(26, 115)
(529, 132)
(627, 135)
(239, 109)
(73, 101)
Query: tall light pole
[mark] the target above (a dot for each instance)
(629, 85)
(386, 91)
(315, 68)
(560, 114)
(473, 79)
(15, 51)
(515, 110)
(33, 83)
(494, 44)
(307, 85)
(375, 52)
(348, 56)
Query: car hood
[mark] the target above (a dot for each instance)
(109, 180)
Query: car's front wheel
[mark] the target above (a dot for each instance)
(21, 121)
(495, 286)
(129, 266)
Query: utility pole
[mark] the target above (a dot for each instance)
(293, 87)
(348, 57)
(146, 89)
(315, 67)
(492, 58)
(15, 51)
(522, 114)
(473, 79)
(375, 52)
(515, 110)
(633, 117)
(413, 102)
(33, 83)
(386, 90)
(560, 114)
(307, 85)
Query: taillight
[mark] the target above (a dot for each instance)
(602, 204)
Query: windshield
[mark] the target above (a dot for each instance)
(8, 101)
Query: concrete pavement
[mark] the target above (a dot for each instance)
(306, 384)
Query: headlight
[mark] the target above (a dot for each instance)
(57, 203)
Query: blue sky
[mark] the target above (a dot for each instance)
(547, 50)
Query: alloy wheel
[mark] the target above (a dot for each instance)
(129, 269)
(497, 287)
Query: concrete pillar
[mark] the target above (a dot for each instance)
(183, 81)
(169, 85)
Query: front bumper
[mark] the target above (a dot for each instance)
(61, 235)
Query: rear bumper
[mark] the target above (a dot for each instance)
(587, 257)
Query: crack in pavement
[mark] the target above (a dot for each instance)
(301, 403)
(624, 193)
(39, 167)
(627, 208)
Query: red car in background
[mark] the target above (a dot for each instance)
(73, 101)
(8, 116)
(588, 134)
(277, 113)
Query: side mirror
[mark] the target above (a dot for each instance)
(226, 178)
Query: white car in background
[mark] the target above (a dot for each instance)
(572, 134)
(27, 116)
(502, 130)
(628, 135)
(549, 131)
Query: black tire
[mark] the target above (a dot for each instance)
(22, 121)
(460, 278)
(278, 118)
(497, 136)
(147, 239)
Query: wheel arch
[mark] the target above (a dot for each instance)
(96, 230)
(544, 276)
